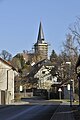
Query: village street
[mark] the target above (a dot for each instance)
(37, 110)
(33, 111)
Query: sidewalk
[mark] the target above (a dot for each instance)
(3, 106)
(14, 103)
(64, 112)
(19, 103)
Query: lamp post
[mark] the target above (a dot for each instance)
(60, 90)
(71, 84)
(71, 92)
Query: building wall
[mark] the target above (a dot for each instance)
(0, 97)
(42, 49)
(45, 78)
(7, 80)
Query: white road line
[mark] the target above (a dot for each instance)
(21, 113)
(54, 113)
(66, 112)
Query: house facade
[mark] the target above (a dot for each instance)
(7, 74)
(41, 72)
(45, 78)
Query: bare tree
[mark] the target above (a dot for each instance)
(75, 31)
(69, 55)
(69, 46)
(6, 55)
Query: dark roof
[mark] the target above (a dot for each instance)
(40, 34)
(36, 67)
(45, 62)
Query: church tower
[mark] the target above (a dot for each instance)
(41, 47)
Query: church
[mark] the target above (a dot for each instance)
(40, 48)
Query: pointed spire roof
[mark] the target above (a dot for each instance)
(40, 34)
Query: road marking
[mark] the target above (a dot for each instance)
(66, 112)
(54, 112)
(21, 113)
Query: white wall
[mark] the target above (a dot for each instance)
(0, 97)
(3, 80)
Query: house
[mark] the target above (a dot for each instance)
(41, 72)
(7, 74)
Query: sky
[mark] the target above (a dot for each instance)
(20, 19)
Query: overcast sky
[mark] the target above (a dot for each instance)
(20, 19)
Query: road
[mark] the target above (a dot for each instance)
(36, 110)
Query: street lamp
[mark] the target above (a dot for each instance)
(71, 92)
(69, 72)
(60, 90)
(71, 84)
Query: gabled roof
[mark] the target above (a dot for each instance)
(40, 34)
(36, 67)
(7, 63)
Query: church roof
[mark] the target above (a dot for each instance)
(40, 38)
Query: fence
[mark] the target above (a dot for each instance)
(18, 96)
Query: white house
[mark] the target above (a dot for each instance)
(7, 74)
(45, 77)
(42, 72)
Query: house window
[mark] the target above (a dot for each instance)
(43, 72)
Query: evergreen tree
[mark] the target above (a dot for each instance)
(53, 57)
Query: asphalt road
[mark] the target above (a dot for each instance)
(36, 110)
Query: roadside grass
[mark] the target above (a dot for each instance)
(75, 102)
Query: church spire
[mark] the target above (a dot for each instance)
(40, 38)
(41, 47)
